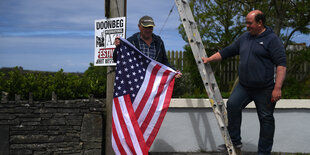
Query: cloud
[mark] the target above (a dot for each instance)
(49, 54)
(34, 15)
(49, 35)
(159, 12)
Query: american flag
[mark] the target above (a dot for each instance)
(142, 94)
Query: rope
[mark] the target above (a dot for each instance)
(166, 19)
(117, 8)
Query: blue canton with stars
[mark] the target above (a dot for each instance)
(131, 67)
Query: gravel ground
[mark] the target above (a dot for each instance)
(220, 153)
(197, 153)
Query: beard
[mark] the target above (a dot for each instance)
(147, 35)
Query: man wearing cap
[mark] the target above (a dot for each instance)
(147, 42)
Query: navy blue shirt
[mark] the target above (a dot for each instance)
(259, 55)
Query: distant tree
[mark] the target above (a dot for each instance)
(41, 84)
(286, 17)
(220, 22)
(96, 76)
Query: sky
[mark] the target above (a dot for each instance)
(49, 35)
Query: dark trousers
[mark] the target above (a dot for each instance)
(237, 101)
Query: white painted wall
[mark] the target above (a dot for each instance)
(190, 126)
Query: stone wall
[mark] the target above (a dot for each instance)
(52, 127)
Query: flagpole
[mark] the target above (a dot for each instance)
(113, 8)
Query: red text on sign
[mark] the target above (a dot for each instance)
(105, 53)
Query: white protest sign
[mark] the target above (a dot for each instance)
(106, 30)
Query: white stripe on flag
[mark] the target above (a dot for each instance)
(130, 127)
(159, 108)
(150, 100)
(119, 132)
(114, 145)
(144, 85)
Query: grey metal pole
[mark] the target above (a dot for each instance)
(113, 8)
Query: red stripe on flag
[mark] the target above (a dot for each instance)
(147, 92)
(116, 139)
(123, 125)
(153, 134)
(135, 124)
(154, 105)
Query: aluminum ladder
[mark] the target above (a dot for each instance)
(205, 70)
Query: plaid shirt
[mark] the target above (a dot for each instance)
(150, 51)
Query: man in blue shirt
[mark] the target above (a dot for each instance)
(261, 54)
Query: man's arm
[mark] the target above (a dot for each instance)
(215, 57)
(277, 93)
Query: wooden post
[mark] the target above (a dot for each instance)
(4, 98)
(109, 102)
(177, 60)
(113, 8)
(17, 98)
(182, 60)
(54, 97)
(169, 57)
(172, 58)
(30, 101)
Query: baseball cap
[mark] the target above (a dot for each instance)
(146, 21)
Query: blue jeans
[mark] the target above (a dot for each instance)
(237, 101)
